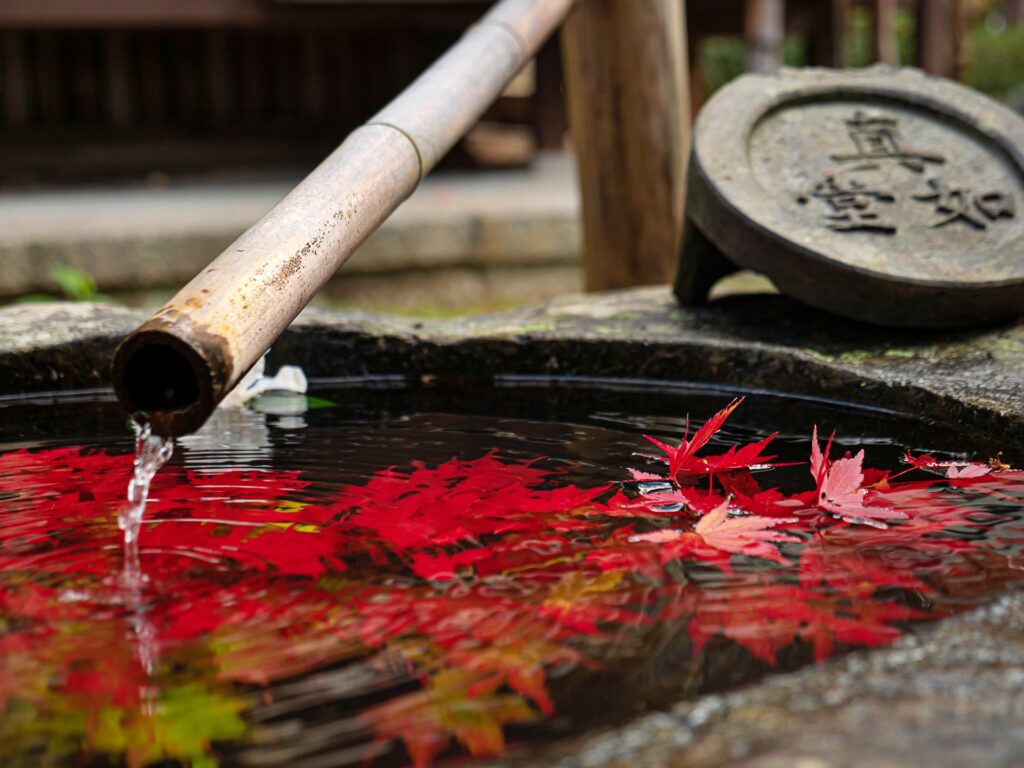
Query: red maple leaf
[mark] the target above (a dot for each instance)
(840, 490)
(683, 460)
(954, 468)
(743, 534)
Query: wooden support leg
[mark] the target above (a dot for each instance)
(701, 266)
(625, 67)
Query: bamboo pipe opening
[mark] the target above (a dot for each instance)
(164, 381)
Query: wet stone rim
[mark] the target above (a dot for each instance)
(947, 694)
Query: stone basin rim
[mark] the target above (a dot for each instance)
(946, 696)
(970, 377)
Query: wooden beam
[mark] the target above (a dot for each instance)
(884, 44)
(939, 36)
(625, 68)
(121, 14)
(14, 71)
(764, 30)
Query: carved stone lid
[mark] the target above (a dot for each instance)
(884, 195)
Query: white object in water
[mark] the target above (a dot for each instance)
(289, 378)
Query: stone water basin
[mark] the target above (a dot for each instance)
(600, 660)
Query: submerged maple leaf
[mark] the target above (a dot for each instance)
(743, 534)
(737, 534)
(840, 490)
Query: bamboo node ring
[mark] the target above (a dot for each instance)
(524, 49)
(412, 140)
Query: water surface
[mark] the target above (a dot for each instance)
(384, 577)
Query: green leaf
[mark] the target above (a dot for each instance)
(74, 283)
(318, 402)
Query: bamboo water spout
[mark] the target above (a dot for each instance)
(179, 365)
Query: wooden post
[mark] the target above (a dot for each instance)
(14, 70)
(764, 30)
(841, 13)
(1013, 10)
(939, 36)
(820, 23)
(625, 68)
(884, 45)
(118, 87)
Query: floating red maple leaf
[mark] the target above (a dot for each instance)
(954, 470)
(840, 490)
(683, 460)
(743, 534)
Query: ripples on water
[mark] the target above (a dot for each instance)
(398, 580)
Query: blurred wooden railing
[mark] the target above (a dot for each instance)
(118, 88)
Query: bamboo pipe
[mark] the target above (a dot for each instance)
(178, 366)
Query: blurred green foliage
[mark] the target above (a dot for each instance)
(721, 58)
(857, 42)
(995, 55)
(73, 284)
(996, 59)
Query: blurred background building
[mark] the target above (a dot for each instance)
(139, 137)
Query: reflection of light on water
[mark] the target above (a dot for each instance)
(236, 434)
(232, 437)
(239, 436)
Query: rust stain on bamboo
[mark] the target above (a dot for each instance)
(282, 277)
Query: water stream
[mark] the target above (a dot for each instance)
(151, 453)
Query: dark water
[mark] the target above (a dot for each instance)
(414, 577)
